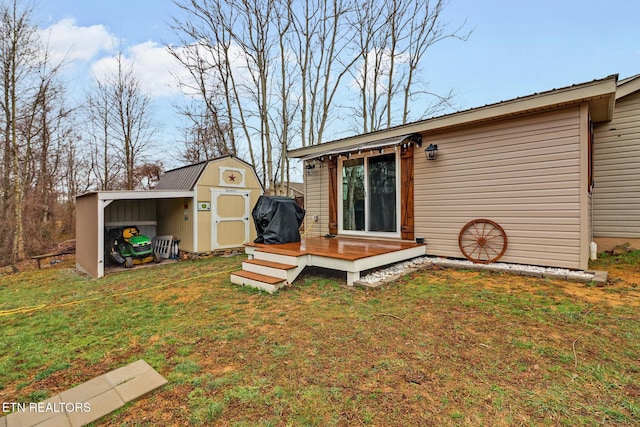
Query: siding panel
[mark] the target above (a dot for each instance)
(616, 195)
(130, 211)
(316, 200)
(88, 252)
(524, 174)
(171, 220)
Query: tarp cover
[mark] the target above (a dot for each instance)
(277, 220)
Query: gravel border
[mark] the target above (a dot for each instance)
(393, 272)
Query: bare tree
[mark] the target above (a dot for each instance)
(18, 56)
(105, 167)
(148, 175)
(322, 39)
(210, 83)
(120, 125)
(47, 133)
(422, 29)
(371, 42)
(205, 137)
(228, 54)
(75, 174)
(133, 123)
(35, 119)
(254, 32)
(273, 69)
(249, 55)
(392, 48)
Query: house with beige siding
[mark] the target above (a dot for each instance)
(616, 192)
(554, 170)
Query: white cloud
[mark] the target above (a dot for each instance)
(71, 43)
(92, 50)
(152, 64)
(156, 68)
(378, 67)
(201, 54)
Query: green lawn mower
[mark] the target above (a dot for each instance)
(129, 247)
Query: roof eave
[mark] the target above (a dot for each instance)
(138, 194)
(628, 86)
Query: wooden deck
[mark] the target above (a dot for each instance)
(339, 248)
(351, 255)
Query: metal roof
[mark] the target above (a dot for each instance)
(628, 86)
(599, 94)
(184, 178)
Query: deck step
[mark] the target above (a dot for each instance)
(276, 257)
(270, 264)
(256, 276)
(256, 280)
(283, 271)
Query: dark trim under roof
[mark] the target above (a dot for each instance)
(386, 142)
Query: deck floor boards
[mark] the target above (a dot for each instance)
(338, 248)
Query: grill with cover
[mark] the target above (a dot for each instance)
(277, 220)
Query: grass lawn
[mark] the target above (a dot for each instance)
(439, 347)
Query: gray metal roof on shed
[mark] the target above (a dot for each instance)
(184, 178)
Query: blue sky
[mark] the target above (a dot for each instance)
(522, 47)
(517, 47)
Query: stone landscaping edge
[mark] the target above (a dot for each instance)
(394, 272)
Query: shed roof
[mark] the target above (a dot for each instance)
(186, 177)
(297, 187)
(600, 94)
(183, 178)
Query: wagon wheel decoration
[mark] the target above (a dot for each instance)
(482, 241)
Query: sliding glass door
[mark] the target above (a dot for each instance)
(369, 202)
(382, 193)
(353, 195)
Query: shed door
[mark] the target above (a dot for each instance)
(230, 219)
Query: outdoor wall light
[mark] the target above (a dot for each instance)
(431, 152)
(310, 167)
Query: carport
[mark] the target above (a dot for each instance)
(100, 209)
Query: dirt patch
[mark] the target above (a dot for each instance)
(620, 293)
(622, 288)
